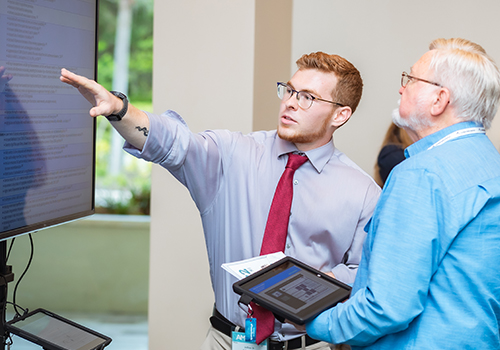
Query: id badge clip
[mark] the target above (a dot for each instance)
(250, 322)
(246, 341)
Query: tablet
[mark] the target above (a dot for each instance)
(292, 290)
(54, 332)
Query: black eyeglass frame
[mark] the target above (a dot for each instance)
(313, 98)
(409, 78)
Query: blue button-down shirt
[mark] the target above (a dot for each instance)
(429, 275)
(232, 178)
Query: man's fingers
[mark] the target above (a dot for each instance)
(102, 101)
(94, 112)
(74, 79)
(69, 82)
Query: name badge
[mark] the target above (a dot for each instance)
(239, 343)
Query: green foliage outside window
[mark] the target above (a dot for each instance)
(129, 191)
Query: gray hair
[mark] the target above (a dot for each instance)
(470, 75)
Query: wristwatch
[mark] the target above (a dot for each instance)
(118, 116)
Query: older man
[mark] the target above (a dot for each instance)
(429, 276)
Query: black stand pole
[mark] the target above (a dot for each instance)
(6, 276)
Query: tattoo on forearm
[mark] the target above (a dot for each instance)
(144, 130)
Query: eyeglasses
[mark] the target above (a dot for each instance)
(406, 78)
(305, 99)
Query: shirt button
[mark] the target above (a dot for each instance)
(288, 246)
(295, 182)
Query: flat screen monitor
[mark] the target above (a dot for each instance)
(47, 139)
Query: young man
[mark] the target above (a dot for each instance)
(428, 278)
(232, 179)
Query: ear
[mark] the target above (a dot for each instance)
(441, 102)
(340, 116)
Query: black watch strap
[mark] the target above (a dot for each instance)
(119, 116)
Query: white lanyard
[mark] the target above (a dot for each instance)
(458, 133)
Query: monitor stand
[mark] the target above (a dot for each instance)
(6, 276)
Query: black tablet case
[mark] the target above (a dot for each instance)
(272, 286)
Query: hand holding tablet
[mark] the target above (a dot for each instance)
(292, 290)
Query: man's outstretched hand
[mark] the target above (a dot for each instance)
(103, 102)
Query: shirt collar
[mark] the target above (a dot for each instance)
(318, 157)
(428, 141)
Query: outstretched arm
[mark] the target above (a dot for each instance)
(135, 124)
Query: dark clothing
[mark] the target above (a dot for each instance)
(388, 158)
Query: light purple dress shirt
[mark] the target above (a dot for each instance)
(232, 178)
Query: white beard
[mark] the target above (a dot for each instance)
(416, 121)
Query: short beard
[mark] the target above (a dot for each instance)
(299, 137)
(416, 121)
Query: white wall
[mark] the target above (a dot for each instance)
(383, 38)
(204, 67)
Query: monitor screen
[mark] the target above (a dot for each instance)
(47, 139)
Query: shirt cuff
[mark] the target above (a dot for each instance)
(344, 274)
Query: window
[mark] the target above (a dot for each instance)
(124, 64)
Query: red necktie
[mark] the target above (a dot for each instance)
(275, 235)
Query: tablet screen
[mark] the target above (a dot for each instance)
(296, 291)
(44, 327)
